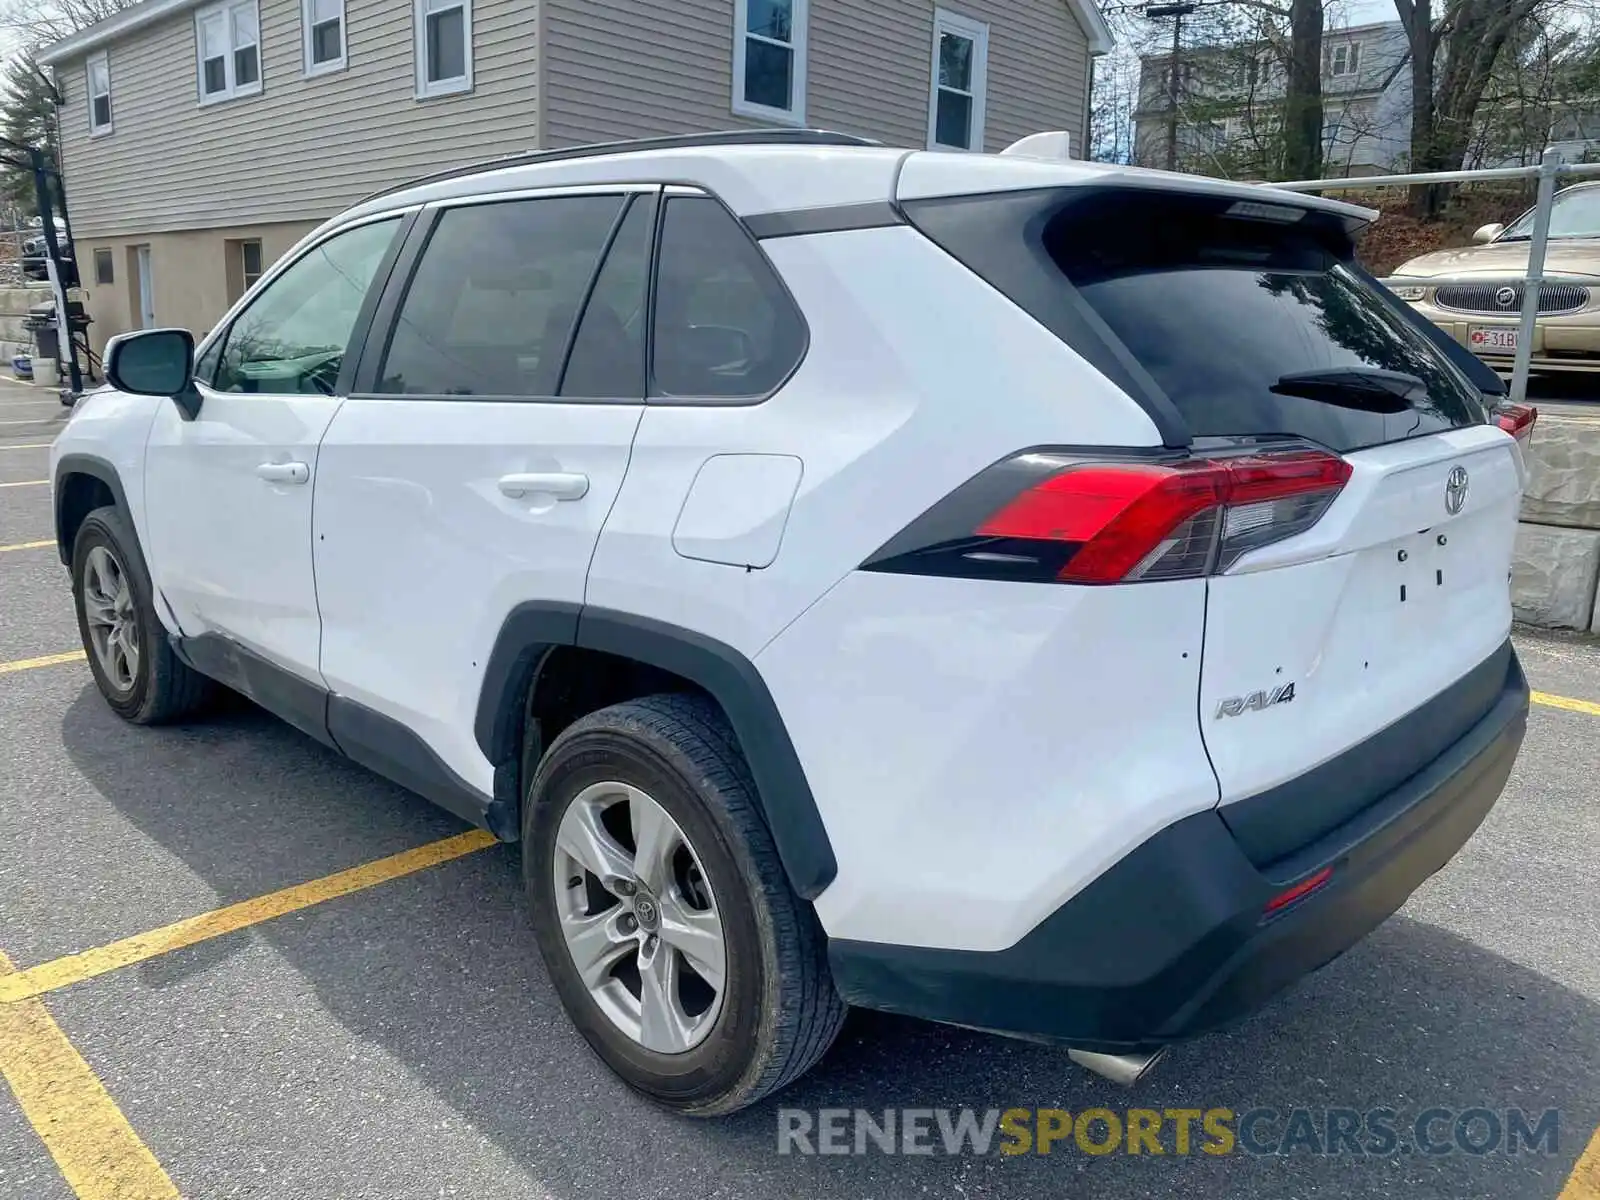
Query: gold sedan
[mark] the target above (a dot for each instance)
(1475, 293)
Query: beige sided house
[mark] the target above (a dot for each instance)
(201, 140)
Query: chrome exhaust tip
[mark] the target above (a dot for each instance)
(1126, 1069)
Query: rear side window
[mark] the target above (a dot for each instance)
(607, 356)
(1230, 321)
(493, 301)
(725, 326)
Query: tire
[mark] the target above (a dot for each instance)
(777, 1011)
(158, 687)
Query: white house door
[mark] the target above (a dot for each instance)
(147, 300)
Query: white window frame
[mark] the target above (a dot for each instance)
(232, 90)
(800, 20)
(945, 21)
(1352, 59)
(419, 17)
(103, 61)
(307, 18)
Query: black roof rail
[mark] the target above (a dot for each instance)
(779, 136)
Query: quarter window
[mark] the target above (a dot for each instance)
(769, 59)
(725, 327)
(228, 43)
(99, 94)
(293, 337)
(323, 22)
(960, 79)
(492, 304)
(444, 47)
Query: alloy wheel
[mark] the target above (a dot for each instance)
(639, 918)
(111, 617)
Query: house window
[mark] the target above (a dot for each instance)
(769, 59)
(102, 267)
(228, 42)
(323, 23)
(960, 69)
(1346, 59)
(243, 267)
(444, 47)
(99, 94)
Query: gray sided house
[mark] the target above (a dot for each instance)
(202, 140)
(1230, 99)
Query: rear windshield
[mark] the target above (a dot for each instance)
(1219, 309)
(1201, 309)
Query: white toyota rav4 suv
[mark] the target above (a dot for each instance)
(1050, 598)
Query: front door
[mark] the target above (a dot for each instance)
(474, 466)
(229, 493)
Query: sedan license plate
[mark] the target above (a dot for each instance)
(1493, 339)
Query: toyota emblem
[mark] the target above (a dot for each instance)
(1506, 297)
(1455, 490)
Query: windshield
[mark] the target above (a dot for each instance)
(1576, 214)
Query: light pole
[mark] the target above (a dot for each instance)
(1177, 12)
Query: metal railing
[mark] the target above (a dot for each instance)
(1548, 173)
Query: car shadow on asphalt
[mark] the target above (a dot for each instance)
(1413, 1018)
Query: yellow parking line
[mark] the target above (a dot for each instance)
(49, 660)
(1584, 1183)
(1568, 703)
(95, 1148)
(25, 546)
(26, 483)
(74, 968)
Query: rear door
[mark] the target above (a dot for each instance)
(1379, 616)
(475, 463)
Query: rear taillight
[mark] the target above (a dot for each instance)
(1047, 518)
(1517, 420)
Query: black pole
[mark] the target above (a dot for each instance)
(47, 221)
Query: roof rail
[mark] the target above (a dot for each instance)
(780, 136)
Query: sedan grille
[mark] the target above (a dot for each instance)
(1505, 300)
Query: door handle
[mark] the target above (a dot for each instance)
(560, 484)
(289, 472)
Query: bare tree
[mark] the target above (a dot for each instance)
(1453, 57)
(36, 23)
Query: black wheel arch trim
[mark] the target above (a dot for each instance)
(530, 631)
(97, 468)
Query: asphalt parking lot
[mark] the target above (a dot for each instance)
(390, 1032)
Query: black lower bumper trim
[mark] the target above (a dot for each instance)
(1172, 941)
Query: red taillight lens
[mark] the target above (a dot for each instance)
(1170, 521)
(1517, 420)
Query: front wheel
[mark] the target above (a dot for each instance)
(133, 665)
(663, 913)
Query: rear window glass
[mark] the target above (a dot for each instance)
(1219, 310)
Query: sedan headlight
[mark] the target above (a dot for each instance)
(1409, 291)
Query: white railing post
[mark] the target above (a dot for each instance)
(1549, 168)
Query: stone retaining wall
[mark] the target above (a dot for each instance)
(1557, 566)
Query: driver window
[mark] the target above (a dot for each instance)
(292, 339)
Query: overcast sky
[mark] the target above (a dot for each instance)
(1362, 12)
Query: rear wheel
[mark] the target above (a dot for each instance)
(663, 913)
(133, 665)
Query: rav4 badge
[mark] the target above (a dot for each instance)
(1235, 706)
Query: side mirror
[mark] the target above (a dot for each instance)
(1488, 234)
(155, 362)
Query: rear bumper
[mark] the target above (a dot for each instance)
(1172, 942)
